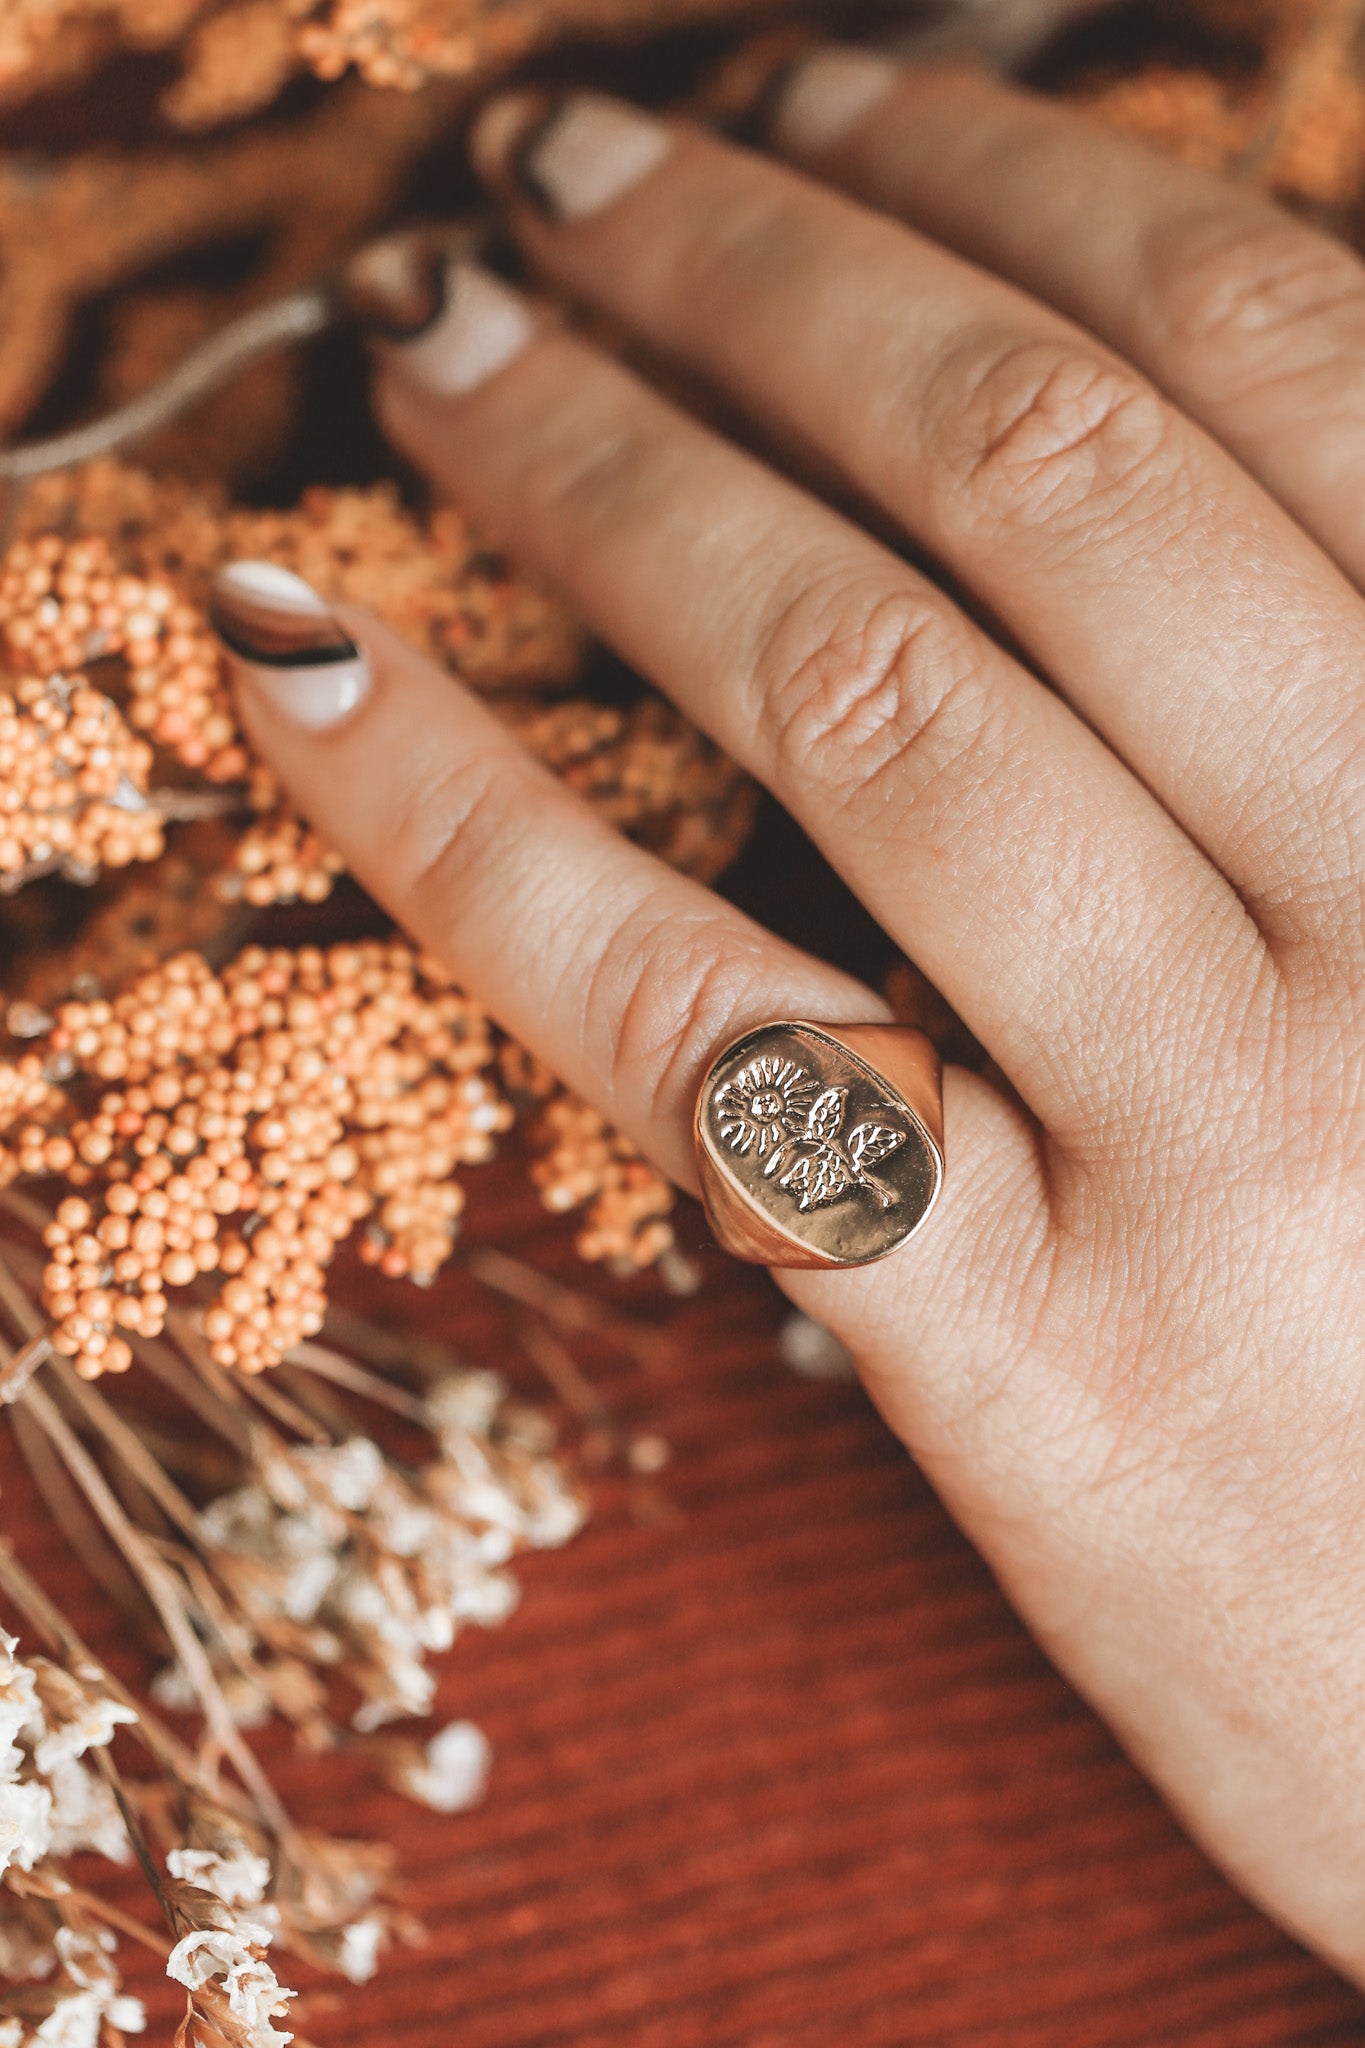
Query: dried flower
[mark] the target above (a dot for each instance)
(451, 1773)
(220, 1960)
(238, 1879)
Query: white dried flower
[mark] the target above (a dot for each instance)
(463, 1405)
(554, 1513)
(25, 1824)
(26, 1954)
(813, 1351)
(399, 1519)
(73, 2022)
(248, 1703)
(88, 1960)
(85, 1814)
(21, 1713)
(347, 1473)
(88, 1722)
(11, 2033)
(453, 1773)
(217, 1956)
(358, 1955)
(238, 1880)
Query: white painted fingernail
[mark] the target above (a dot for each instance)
(480, 325)
(826, 97)
(288, 644)
(578, 159)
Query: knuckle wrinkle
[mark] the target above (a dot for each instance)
(1036, 431)
(1266, 287)
(851, 683)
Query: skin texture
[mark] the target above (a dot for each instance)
(1122, 405)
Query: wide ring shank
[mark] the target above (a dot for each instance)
(820, 1145)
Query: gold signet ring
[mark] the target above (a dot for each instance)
(820, 1144)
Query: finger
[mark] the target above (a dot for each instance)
(1187, 616)
(1251, 320)
(622, 975)
(991, 833)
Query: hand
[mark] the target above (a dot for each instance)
(1125, 408)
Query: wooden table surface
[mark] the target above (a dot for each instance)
(776, 1767)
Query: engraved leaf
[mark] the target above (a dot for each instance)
(827, 1114)
(870, 1142)
(815, 1174)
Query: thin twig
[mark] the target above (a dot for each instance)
(187, 1334)
(24, 1209)
(297, 317)
(190, 806)
(344, 1372)
(562, 1305)
(559, 1366)
(21, 1366)
(128, 1445)
(226, 1418)
(108, 1770)
(32, 1885)
(165, 1596)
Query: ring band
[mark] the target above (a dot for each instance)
(820, 1144)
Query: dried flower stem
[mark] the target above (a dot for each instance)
(159, 1584)
(564, 1306)
(40, 1614)
(98, 1908)
(343, 1372)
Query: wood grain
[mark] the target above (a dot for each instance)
(776, 1767)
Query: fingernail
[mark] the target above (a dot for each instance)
(289, 645)
(395, 286)
(826, 95)
(573, 159)
(477, 327)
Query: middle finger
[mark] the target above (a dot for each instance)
(1181, 610)
(992, 833)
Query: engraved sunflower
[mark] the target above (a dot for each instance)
(764, 1104)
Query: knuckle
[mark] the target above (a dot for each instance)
(1027, 433)
(662, 997)
(744, 239)
(457, 818)
(852, 683)
(606, 466)
(1255, 292)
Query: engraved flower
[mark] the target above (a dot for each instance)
(764, 1104)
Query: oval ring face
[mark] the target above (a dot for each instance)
(808, 1149)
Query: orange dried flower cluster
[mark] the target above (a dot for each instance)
(242, 1124)
(647, 772)
(279, 859)
(236, 58)
(66, 603)
(1292, 123)
(124, 579)
(73, 782)
(585, 1164)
